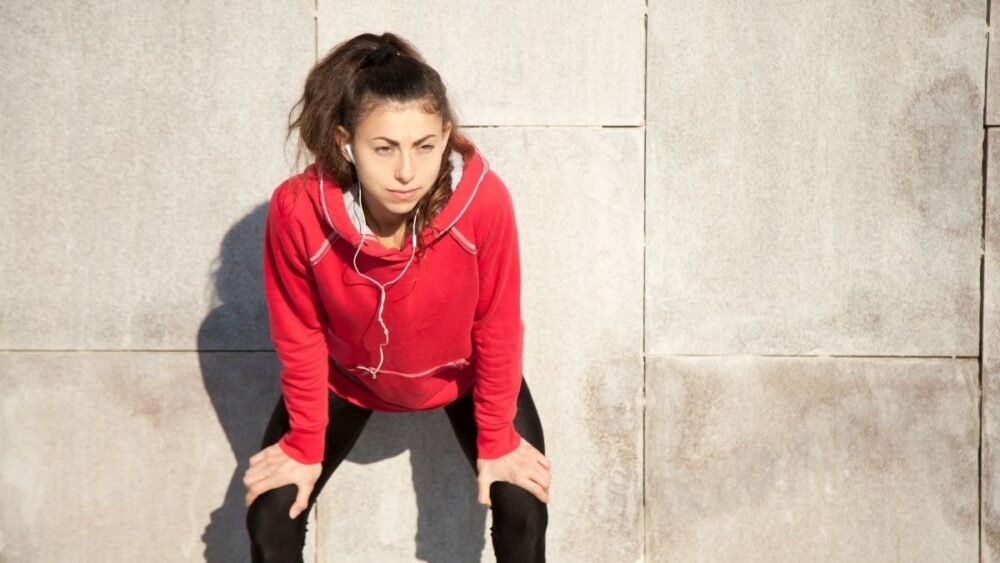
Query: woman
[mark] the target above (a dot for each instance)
(399, 227)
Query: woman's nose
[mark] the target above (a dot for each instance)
(404, 172)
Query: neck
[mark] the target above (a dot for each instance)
(391, 230)
(385, 227)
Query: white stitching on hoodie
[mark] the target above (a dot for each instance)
(464, 241)
(323, 247)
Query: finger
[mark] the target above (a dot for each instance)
(484, 493)
(539, 477)
(301, 500)
(249, 480)
(542, 478)
(527, 482)
(544, 461)
(535, 489)
(266, 484)
(260, 471)
(255, 468)
(258, 456)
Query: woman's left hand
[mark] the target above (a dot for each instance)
(525, 467)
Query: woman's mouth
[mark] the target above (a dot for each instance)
(404, 195)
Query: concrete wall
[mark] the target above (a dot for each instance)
(761, 268)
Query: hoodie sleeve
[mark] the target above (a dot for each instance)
(296, 322)
(498, 330)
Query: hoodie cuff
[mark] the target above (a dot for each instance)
(491, 444)
(303, 446)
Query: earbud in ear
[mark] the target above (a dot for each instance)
(350, 153)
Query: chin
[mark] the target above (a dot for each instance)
(401, 207)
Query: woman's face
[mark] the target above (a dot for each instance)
(397, 154)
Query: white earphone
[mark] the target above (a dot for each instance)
(350, 153)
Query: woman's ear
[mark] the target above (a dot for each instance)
(341, 137)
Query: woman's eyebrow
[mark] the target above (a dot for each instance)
(396, 143)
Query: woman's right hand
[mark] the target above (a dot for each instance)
(271, 468)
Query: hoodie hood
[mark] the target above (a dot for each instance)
(341, 208)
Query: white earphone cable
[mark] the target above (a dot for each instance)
(382, 288)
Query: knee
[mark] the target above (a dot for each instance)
(273, 535)
(516, 511)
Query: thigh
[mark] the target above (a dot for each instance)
(461, 415)
(342, 432)
(519, 518)
(346, 421)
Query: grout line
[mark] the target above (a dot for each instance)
(136, 350)
(986, 87)
(817, 356)
(645, 218)
(982, 298)
(644, 352)
(552, 126)
(982, 289)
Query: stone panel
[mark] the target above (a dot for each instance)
(991, 357)
(799, 459)
(124, 457)
(814, 178)
(517, 63)
(141, 142)
(407, 492)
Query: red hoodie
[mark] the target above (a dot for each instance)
(452, 318)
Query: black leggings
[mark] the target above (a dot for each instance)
(519, 518)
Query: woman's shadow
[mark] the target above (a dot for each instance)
(241, 376)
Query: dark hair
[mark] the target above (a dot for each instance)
(352, 80)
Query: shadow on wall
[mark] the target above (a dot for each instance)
(244, 388)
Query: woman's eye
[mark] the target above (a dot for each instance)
(382, 150)
(427, 148)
